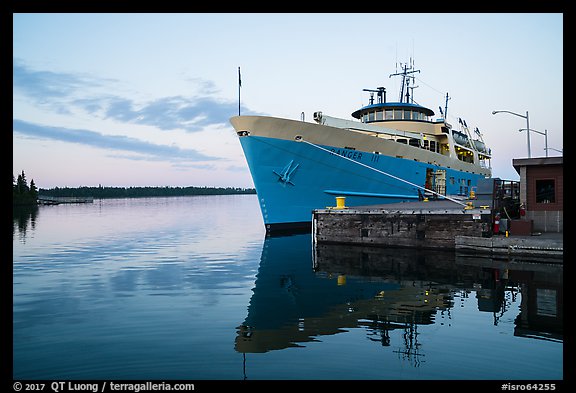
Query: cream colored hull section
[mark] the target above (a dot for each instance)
(318, 134)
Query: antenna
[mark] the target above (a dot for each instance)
(396, 64)
(446, 107)
(405, 80)
(239, 86)
(411, 89)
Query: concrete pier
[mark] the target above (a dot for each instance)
(440, 224)
(433, 224)
(546, 246)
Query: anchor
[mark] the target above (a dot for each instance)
(284, 175)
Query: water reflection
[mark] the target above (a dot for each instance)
(132, 289)
(22, 217)
(541, 285)
(303, 292)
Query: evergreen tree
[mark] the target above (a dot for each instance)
(33, 190)
(21, 193)
(21, 184)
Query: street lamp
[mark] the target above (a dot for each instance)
(559, 151)
(545, 133)
(527, 126)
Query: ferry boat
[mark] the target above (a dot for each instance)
(393, 152)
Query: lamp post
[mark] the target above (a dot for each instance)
(545, 133)
(559, 151)
(527, 126)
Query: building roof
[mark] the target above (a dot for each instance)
(539, 161)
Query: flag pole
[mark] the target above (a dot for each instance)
(239, 86)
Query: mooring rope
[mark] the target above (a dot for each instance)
(379, 171)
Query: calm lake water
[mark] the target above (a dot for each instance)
(190, 288)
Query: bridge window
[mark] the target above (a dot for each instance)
(389, 114)
(397, 114)
(371, 116)
(379, 115)
(407, 115)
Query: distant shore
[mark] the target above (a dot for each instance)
(101, 192)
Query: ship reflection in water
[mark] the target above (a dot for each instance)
(303, 292)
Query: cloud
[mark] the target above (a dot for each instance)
(71, 92)
(170, 113)
(45, 85)
(122, 143)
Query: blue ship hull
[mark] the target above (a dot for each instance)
(293, 178)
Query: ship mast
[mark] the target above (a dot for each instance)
(406, 77)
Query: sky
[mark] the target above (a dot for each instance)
(144, 99)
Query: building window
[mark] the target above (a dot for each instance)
(545, 192)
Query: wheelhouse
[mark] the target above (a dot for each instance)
(393, 111)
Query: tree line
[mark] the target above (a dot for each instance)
(101, 192)
(24, 194)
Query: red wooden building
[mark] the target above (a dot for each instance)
(542, 192)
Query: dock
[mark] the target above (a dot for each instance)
(50, 200)
(436, 224)
(547, 247)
